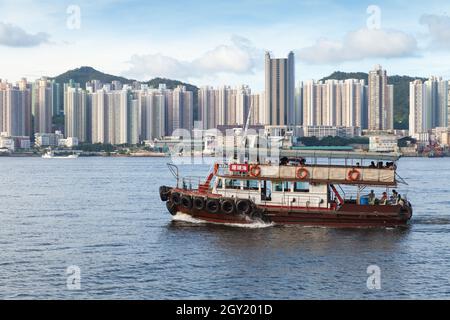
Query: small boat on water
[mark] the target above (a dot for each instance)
(51, 155)
(312, 189)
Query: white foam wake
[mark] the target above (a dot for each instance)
(252, 225)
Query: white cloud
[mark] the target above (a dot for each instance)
(359, 45)
(14, 36)
(438, 30)
(239, 57)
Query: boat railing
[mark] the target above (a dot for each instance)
(241, 194)
(190, 183)
(297, 200)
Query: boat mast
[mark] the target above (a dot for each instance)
(244, 134)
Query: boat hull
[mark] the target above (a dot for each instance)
(346, 216)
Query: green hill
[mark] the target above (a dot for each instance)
(401, 93)
(84, 74)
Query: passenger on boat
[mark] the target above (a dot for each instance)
(284, 161)
(302, 161)
(395, 197)
(384, 199)
(372, 165)
(372, 198)
(358, 165)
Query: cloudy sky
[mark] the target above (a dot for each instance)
(222, 41)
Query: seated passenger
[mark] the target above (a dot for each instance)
(358, 165)
(372, 165)
(302, 161)
(372, 198)
(384, 199)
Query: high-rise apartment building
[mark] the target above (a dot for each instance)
(258, 109)
(207, 107)
(280, 90)
(380, 101)
(243, 102)
(428, 105)
(76, 113)
(183, 109)
(448, 102)
(332, 103)
(15, 108)
(42, 105)
(153, 119)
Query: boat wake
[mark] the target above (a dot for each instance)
(182, 217)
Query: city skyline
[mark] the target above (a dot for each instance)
(230, 50)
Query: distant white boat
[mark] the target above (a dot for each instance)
(51, 155)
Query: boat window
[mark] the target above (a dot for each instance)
(251, 185)
(233, 184)
(278, 186)
(301, 187)
(219, 184)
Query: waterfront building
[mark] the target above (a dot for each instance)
(98, 116)
(380, 101)
(183, 109)
(428, 106)
(15, 108)
(321, 131)
(258, 110)
(332, 103)
(279, 90)
(448, 103)
(48, 139)
(6, 143)
(243, 102)
(383, 143)
(75, 112)
(207, 107)
(68, 142)
(42, 105)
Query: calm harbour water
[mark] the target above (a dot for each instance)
(104, 215)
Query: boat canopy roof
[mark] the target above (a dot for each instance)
(358, 155)
(341, 155)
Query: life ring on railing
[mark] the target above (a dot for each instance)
(353, 175)
(255, 171)
(302, 173)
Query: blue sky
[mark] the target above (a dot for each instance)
(223, 42)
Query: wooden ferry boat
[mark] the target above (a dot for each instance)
(311, 189)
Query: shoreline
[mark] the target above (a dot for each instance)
(152, 155)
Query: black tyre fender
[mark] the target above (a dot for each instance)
(164, 193)
(213, 206)
(228, 206)
(186, 201)
(199, 203)
(171, 207)
(175, 197)
(244, 206)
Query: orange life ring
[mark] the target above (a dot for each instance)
(255, 171)
(353, 175)
(302, 173)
